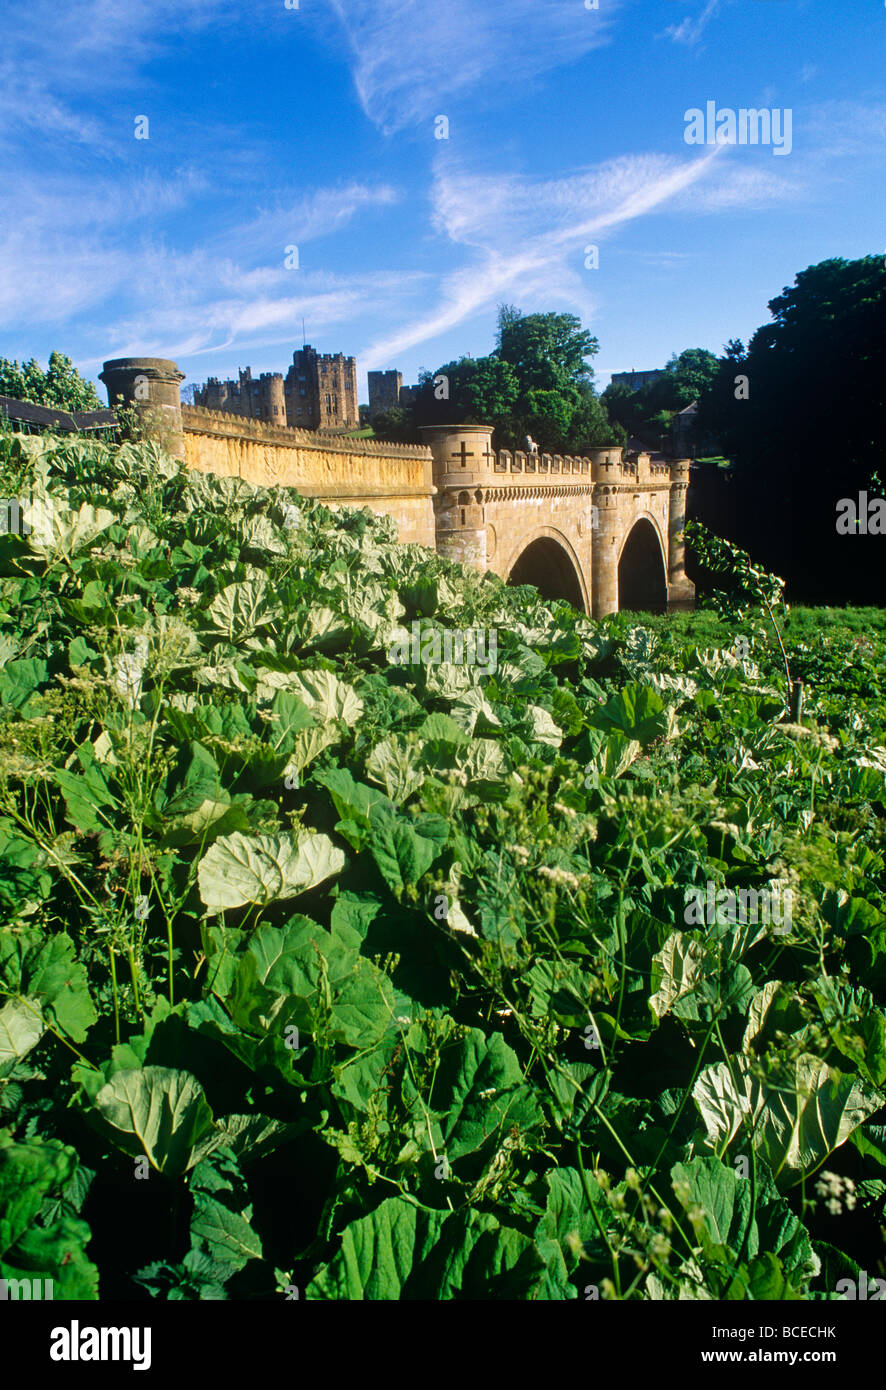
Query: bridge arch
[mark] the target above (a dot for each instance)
(548, 561)
(642, 567)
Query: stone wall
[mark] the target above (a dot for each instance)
(387, 478)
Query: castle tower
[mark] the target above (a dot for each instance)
(153, 386)
(270, 402)
(384, 391)
(214, 395)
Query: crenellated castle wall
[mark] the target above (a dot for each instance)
(388, 478)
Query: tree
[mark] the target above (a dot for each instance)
(393, 424)
(802, 414)
(61, 385)
(471, 390)
(508, 314)
(648, 412)
(591, 426)
(537, 381)
(687, 377)
(546, 351)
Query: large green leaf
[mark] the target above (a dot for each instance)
(393, 764)
(696, 980)
(404, 849)
(21, 1028)
(221, 1219)
(241, 608)
(327, 697)
(402, 1252)
(636, 711)
(566, 1227)
(794, 1127)
(30, 1247)
(301, 974)
(238, 869)
(60, 983)
(159, 1113)
(479, 1092)
(59, 531)
(19, 680)
(741, 1221)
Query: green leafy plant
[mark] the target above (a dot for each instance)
(369, 980)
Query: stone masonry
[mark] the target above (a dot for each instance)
(592, 529)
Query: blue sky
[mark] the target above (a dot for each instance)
(271, 127)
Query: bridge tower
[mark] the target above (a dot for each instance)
(462, 462)
(607, 471)
(681, 590)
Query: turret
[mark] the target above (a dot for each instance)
(152, 386)
(462, 461)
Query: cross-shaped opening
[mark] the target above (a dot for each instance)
(464, 454)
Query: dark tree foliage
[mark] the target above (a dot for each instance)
(648, 412)
(806, 428)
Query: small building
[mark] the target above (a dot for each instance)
(31, 418)
(636, 380)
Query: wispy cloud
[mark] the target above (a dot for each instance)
(847, 130)
(547, 254)
(55, 55)
(313, 214)
(95, 247)
(690, 29)
(410, 58)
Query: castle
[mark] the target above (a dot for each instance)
(319, 392)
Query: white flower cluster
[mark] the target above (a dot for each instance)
(839, 1192)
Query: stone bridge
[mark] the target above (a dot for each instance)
(601, 530)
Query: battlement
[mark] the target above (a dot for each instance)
(197, 419)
